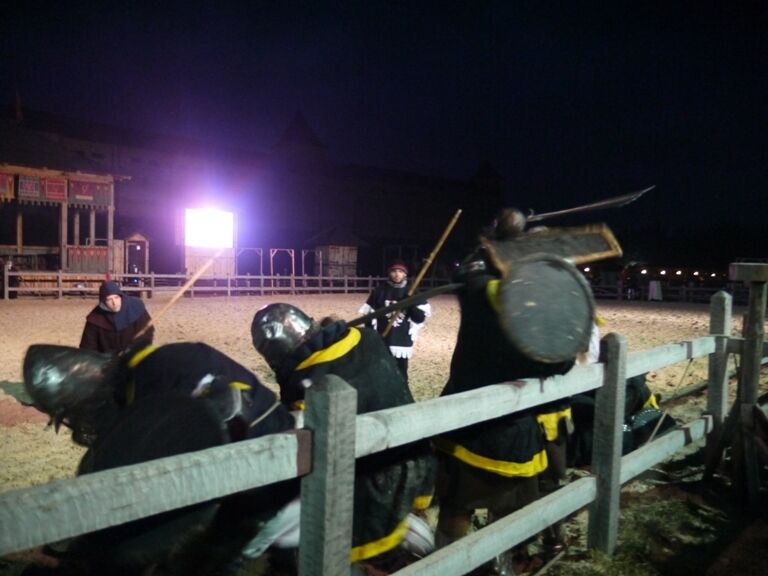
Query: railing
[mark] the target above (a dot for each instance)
(333, 437)
(671, 292)
(58, 284)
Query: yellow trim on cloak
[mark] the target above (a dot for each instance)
(237, 385)
(422, 502)
(550, 422)
(137, 358)
(492, 293)
(600, 321)
(381, 545)
(130, 393)
(334, 351)
(532, 467)
(651, 403)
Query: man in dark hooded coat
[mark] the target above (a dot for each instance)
(116, 321)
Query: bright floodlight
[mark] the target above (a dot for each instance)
(643, 271)
(586, 269)
(208, 228)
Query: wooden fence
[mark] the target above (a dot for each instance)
(59, 284)
(323, 455)
(671, 291)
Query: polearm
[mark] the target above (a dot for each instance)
(424, 268)
(615, 202)
(404, 303)
(178, 294)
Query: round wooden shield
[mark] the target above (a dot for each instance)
(547, 309)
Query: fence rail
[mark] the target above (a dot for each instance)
(334, 437)
(59, 284)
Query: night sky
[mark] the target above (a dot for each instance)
(571, 104)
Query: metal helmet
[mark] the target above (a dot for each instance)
(59, 378)
(278, 329)
(509, 223)
(73, 387)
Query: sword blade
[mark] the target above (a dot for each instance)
(615, 202)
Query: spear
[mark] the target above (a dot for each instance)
(615, 202)
(179, 294)
(425, 267)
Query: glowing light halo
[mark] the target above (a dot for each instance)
(208, 228)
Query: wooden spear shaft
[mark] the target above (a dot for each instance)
(424, 268)
(179, 294)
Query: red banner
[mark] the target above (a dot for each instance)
(90, 194)
(29, 188)
(80, 192)
(6, 186)
(54, 189)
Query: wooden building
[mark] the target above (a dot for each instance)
(49, 220)
(283, 197)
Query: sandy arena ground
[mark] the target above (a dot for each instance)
(32, 454)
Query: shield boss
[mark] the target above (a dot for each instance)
(547, 309)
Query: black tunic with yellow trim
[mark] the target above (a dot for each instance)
(246, 409)
(197, 369)
(400, 337)
(388, 485)
(512, 445)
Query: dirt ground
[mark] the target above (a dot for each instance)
(31, 453)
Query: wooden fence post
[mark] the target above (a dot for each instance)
(602, 532)
(327, 492)
(720, 319)
(751, 358)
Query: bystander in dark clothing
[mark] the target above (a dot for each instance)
(114, 324)
(13, 280)
(408, 322)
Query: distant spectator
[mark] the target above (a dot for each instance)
(116, 321)
(13, 281)
(409, 321)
